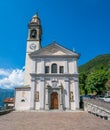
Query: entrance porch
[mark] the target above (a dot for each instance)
(54, 98)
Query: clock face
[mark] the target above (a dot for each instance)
(33, 46)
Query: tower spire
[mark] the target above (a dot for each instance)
(35, 19)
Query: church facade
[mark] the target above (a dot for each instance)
(51, 75)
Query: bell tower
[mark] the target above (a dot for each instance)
(33, 44)
(34, 34)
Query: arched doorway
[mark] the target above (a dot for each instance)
(54, 100)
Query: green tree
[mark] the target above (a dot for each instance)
(107, 84)
(96, 81)
(82, 83)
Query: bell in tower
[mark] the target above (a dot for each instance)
(33, 34)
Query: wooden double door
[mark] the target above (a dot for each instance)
(54, 100)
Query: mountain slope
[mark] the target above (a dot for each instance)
(96, 63)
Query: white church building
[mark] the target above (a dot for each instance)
(51, 75)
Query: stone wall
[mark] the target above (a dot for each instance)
(97, 107)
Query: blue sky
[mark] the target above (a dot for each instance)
(80, 24)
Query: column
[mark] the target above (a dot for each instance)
(66, 67)
(42, 94)
(32, 101)
(33, 66)
(67, 95)
(42, 66)
(46, 100)
(76, 92)
(75, 66)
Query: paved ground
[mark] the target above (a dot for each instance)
(52, 121)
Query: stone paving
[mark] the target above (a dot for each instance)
(52, 121)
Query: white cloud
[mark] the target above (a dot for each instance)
(12, 78)
(4, 72)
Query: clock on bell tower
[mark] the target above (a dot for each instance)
(33, 44)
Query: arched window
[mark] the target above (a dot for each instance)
(54, 68)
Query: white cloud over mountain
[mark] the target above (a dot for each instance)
(11, 78)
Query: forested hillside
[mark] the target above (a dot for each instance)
(94, 76)
(96, 63)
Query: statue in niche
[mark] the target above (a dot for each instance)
(37, 96)
(71, 96)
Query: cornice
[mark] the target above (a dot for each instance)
(33, 40)
(22, 88)
(53, 56)
(53, 75)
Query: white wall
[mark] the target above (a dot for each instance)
(71, 68)
(60, 62)
(28, 70)
(22, 95)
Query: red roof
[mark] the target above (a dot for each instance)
(9, 100)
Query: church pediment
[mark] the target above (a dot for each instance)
(54, 50)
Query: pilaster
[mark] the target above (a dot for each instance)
(66, 67)
(33, 66)
(76, 92)
(42, 66)
(67, 104)
(46, 99)
(75, 66)
(61, 103)
(33, 85)
(42, 94)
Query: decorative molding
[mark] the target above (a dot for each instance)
(33, 79)
(23, 88)
(41, 79)
(66, 79)
(76, 79)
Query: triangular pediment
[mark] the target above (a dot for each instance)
(53, 50)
